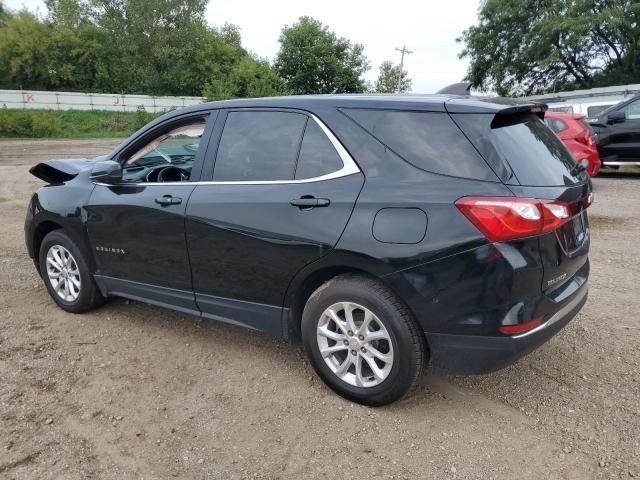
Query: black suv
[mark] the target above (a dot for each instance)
(617, 134)
(382, 232)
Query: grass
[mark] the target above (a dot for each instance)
(71, 123)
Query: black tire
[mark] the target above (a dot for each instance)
(409, 348)
(89, 296)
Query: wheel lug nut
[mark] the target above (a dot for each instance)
(361, 337)
(363, 349)
(350, 333)
(353, 352)
(346, 342)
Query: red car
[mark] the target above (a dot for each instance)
(574, 132)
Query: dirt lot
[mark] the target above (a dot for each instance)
(133, 391)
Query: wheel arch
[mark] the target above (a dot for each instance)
(47, 222)
(316, 274)
(39, 232)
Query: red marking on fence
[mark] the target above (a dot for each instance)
(29, 98)
(116, 102)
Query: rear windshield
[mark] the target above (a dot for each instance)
(429, 141)
(520, 148)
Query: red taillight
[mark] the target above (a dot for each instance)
(521, 327)
(507, 218)
(584, 137)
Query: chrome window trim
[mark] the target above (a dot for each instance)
(349, 167)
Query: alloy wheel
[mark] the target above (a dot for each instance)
(63, 273)
(355, 344)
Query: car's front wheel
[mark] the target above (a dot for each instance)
(66, 275)
(362, 340)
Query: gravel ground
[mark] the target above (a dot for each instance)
(133, 391)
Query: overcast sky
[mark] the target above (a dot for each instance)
(427, 28)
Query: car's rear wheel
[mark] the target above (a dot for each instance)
(362, 340)
(66, 275)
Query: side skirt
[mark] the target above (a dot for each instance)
(255, 316)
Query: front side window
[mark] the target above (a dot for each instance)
(259, 146)
(168, 157)
(632, 111)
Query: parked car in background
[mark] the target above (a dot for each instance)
(574, 131)
(381, 232)
(617, 134)
(591, 109)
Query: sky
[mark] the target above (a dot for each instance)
(428, 28)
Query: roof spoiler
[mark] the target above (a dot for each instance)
(538, 108)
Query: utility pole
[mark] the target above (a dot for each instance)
(402, 51)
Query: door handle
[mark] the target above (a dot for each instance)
(167, 200)
(308, 202)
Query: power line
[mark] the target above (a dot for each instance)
(402, 51)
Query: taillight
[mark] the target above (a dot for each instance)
(585, 138)
(507, 218)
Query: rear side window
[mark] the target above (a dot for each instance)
(318, 157)
(521, 144)
(555, 124)
(259, 146)
(595, 110)
(429, 141)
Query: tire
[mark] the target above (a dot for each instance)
(82, 295)
(395, 344)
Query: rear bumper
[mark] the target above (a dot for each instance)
(617, 163)
(472, 354)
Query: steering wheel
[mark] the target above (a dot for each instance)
(173, 174)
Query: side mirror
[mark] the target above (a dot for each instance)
(106, 171)
(616, 117)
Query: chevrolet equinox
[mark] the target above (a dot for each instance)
(383, 233)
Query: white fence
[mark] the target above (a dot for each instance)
(91, 101)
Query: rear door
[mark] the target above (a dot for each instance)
(281, 191)
(534, 163)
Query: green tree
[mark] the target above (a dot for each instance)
(4, 14)
(387, 81)
(68, 13)
(312, 59)
(153, 42)
(522, 47)
(249, 78)
(25, 47)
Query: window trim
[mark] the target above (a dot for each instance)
(349, 167)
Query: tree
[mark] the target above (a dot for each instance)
(312, 59)
(522, 47)
(249, 78)
(387, 81)
(68, 13)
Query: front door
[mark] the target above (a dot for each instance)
(282, 192)
(137, 227)
(623, 140)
